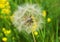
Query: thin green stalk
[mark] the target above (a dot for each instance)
(33, 37)
(52, 38)
(42, 32)
(57, 31)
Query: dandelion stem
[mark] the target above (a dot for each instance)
(33, 37)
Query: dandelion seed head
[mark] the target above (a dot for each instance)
(27, 16)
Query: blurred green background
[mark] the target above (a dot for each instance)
(50, 33)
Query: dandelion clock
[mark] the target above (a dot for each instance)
(28, 17)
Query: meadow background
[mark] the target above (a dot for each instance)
(50, 33)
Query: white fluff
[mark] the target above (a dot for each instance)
(27, 9)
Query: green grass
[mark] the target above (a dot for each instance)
(48, 34)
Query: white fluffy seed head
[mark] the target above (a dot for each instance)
(22, 15)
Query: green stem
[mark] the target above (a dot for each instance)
(33, 37)
(44, 30)
(57, 31)
(52, 38)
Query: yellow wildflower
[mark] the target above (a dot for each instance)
(36, 33)
(2, 1)
(49, 20)
(6, 11)
(44, 13)
(3, 29)
(8, 31)
(4, 39)
(5, 32)
(2, 6)
(7, 5)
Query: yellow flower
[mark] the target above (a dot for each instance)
(44, 13)
(5, 32)
(3, 29)
(7, 5)
(6, 11)
(49, 20)
(4, 39)
(8, 31)
(2, 6)
(2, 1)
(36, 33)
